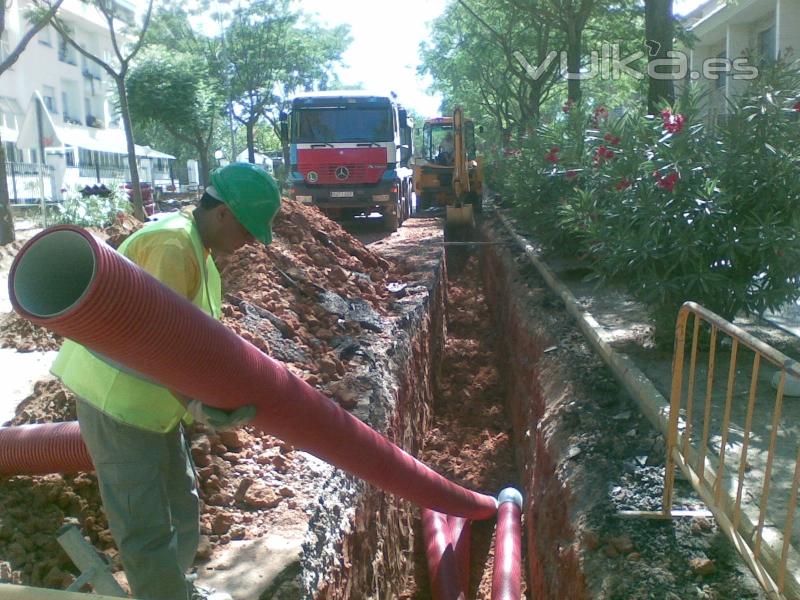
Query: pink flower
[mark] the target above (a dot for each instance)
(567, 106)
(668, 182)
(672, 123)
(797, 106)
(602, 154)
(623, 184)
(611, 139)
(552, 156)
(571, 174)
(601, 112)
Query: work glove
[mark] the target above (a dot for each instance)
(219, 419)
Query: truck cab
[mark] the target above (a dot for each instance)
(349, 153)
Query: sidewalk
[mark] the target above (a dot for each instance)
(18, 370)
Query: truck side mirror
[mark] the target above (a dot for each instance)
(402, 115)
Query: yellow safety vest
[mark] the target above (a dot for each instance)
(126, 397)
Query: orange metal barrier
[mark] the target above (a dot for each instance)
(735, 446)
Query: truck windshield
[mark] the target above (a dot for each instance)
(342, 124)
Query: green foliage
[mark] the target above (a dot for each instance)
(261, 55)
(672, 209)
(174, 91)
(478, 52)
(265, 56)
(92, 211)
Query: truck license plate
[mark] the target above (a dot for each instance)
(347, 194)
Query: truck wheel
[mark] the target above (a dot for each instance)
(390, 219)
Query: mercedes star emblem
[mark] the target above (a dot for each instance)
(312, 176)
(342, 173)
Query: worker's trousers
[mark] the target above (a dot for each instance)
(149, 494)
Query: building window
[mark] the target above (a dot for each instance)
(9, 109)
(13, 154)
(45, 37)
(66, 53)
(70, 102)
(767, 46)
(5, 47)
(49, 97)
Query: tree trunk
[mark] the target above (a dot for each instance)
(658, 26)
(251, 141)
(6, 216)
(138, 206)
(574, 55)
(205, 165)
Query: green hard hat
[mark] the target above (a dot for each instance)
(252, 195)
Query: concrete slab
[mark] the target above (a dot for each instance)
(247, 568)
(18, 372)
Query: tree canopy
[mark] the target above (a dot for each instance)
(176, 91)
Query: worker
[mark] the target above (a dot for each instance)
(446, 150)
(132, 426)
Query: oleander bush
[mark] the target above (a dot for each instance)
(673, 208)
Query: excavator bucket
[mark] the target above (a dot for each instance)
(460, 216)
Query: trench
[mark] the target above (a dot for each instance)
(519, 398)
(486, 401)
(470, 438)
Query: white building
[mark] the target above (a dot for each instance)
(761, 30)
(78, 96)
(262, 160)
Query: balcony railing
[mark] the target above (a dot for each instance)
(105, 175)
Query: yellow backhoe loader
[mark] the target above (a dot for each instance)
(449, 173)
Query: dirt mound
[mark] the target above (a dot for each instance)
(50, 402)
(305, 299)
(19, 333)
(119, 231)
(8, 252)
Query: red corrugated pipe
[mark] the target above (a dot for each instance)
(507, 573)
(72, 283)
(442, 570)
(43, 448)
(460, 534)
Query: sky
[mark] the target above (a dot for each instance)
(384, 53)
